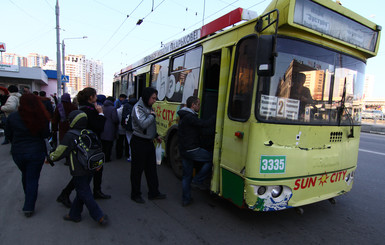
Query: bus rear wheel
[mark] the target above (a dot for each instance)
(175, 158)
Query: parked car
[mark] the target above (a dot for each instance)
(372, 114)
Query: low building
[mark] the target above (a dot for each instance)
(33, 77)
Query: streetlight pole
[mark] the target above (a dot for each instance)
(63, 53)
(58, 51)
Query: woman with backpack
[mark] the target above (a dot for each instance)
(82, 175)
(26, 129)
(87, 103)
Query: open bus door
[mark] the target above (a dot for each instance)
(140, 84)
(116, 88)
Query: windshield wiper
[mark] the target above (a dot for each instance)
(341, 110)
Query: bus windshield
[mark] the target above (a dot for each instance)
(311, 85)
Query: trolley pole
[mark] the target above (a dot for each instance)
(58, 51)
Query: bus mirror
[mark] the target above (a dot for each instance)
(266, 55)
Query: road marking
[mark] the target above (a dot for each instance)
(374, 152)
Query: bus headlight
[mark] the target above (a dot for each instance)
(276, 191)
(261, 190)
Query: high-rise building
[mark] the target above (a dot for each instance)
(37, 60)
(82, 72)
(95, 75)
(14, 59)
(75, 68)
(50, 65)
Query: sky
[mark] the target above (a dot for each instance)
(114, 38)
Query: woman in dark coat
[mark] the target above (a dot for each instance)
(60, 117)
(26, 129)
(110, 127)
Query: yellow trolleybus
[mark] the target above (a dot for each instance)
(286, 88)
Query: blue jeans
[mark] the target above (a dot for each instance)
(30, 165)
(84, 196)
(188, 159)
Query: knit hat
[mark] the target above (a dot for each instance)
(66, 98)
(5, 90)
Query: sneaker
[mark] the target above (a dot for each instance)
(138, 200)
(158, 197)
(103, 221)
(68, 218)
(129, 159)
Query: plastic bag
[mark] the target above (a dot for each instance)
(158, 154)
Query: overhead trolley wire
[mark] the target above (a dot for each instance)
(152, 10)
(116, 31)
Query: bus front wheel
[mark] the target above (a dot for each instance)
(175, 159)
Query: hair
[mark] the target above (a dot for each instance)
(123, 96)
(35, 93)
(131, 96)
(147, 93)
(13, 89)
(33, 113)
(84, 95)
(191, 100)
(110, 98)
(42, 93)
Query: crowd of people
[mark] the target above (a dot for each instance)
(33, 118)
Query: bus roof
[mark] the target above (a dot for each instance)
(222, 22)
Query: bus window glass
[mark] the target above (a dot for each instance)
(243, 80)
(131, 85)
(159, 78)
(184, 79)
(193, 58)
(310, 86)
(124, 83)
(178, 63)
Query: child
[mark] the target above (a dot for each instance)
(81, 176)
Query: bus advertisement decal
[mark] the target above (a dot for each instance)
(310, 182)
(273, 164)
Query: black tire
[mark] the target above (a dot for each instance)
(175, 159)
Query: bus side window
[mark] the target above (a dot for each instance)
(159, 78)
(243, 79)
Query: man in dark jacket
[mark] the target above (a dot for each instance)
(127, 109)
(46, 102)
(189, 145)
(81, 176)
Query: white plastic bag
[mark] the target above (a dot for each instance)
(158, 154)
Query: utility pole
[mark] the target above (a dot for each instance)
(58, 51)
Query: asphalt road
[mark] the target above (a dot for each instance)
(357, 218)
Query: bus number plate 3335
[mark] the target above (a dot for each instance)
(273, 164)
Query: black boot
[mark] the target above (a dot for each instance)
(100, 195)
(65, 199)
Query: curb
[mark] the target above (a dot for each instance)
(373, 129)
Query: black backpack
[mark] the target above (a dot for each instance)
(88, 149)
(126, 117)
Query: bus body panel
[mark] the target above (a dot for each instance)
(307, 150)
(269, 165)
